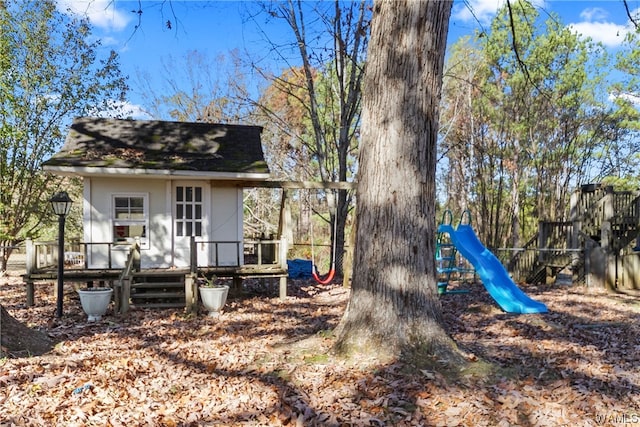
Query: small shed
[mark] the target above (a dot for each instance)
(161, 183)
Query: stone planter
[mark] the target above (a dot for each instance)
(213, 298)
(95, 302)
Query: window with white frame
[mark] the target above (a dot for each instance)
(188, 215)
(130, 218)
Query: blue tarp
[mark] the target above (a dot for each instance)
(299, 268)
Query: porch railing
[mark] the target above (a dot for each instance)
(251, 252)
(44, 255)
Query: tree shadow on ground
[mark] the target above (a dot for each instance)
(271, 363)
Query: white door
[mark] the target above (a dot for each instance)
(190, 213)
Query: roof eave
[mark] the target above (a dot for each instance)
(152, 173)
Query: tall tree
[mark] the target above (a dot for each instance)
(534, 121)
(49, 72)
(394, 305)
(332, 58)
(619, 162)
(459, 122)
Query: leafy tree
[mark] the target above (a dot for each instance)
(538, 113)
(49, 72)
(460, 125)
(620, 160)
(394, 305)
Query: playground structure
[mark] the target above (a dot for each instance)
(599, 243)
(450, 265)
(494, 276)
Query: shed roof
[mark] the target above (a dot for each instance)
(99, 145)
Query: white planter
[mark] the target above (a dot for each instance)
(214, 299)
(95, 302)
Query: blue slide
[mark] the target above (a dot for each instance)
(493, 274)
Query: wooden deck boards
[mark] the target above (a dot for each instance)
(82, 275)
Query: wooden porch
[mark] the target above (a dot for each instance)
(157, 287)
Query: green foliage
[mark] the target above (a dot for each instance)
(49, 73)
(525, 108)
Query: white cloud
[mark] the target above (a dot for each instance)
(121, 109)
(594, 14)
(101, 13)
(597, 25)
(482, 11)
(109, 41)
(608, 33)
(634, 98)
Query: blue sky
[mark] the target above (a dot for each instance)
(215, 28)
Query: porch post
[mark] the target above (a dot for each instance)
(30, 263)
(191, 293)
(193, 255)
(125, 294)
(283, 266)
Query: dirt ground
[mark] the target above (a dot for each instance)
(266, 362)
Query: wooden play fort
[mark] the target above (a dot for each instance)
(598, 245)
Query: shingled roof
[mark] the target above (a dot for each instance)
(102, 145)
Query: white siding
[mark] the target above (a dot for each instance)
(224, 223)
(98, 229)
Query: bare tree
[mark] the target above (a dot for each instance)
(330, 79)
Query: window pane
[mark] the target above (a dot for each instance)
(198, 229)
(137, 231)
(124, 233)
(121, 208)
(179, 228)
(120, 233)
(179, 211)
(188, 230)
(137, 208)
(122, 202)
(198, 212)
(189, 194)
(129, 218)
(179, 195)
(198, 194)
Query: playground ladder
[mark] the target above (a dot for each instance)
(446, 256)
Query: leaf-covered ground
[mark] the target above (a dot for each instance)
(265, 362)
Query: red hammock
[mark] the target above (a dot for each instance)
(314, 270)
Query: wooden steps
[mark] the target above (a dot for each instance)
(158, 289)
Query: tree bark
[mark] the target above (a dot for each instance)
(394, 306)
(18, 340)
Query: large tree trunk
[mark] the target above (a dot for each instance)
(394, 306)
(19, 340)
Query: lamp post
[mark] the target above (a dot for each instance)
(61, 205)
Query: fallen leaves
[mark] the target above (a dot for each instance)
(267, 363)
